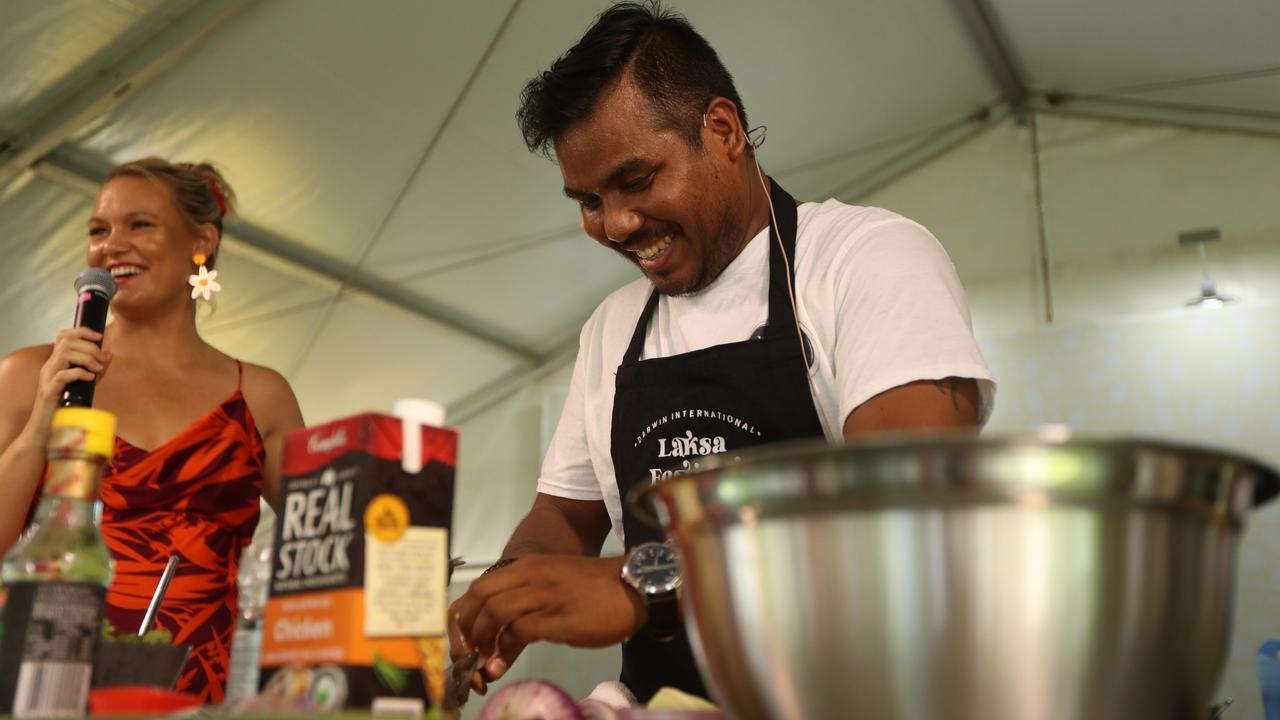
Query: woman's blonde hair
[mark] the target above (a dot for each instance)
(200, 192)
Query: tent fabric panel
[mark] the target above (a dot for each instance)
(476, 191)
(826, 73)
(453, 203)
(44, 238)
(270, 99)
(1096, 45)
(542, 295)
(364, 358)
(279, 342)
(827, 177)
(979, 201)
(42, 41)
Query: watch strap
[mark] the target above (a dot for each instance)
(664, 615)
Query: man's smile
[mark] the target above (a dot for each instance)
(653, 250)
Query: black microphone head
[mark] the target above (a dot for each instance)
(96, 279)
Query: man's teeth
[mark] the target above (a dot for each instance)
(123, 270)
(654, 250)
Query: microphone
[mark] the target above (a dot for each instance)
(95, 288)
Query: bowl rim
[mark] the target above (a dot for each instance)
(791, 454)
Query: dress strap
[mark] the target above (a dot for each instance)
(240, 375)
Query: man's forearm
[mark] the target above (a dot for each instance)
(921, 405)
(556, 526)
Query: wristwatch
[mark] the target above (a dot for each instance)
(653, 569)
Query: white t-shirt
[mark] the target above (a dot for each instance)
(877, 297)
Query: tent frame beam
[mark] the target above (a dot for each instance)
(919, 154)
(144, 52)
(983, 29)
(1200, 118)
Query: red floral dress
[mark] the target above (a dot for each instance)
(195, 496)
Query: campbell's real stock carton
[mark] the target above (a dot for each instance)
(356, 613)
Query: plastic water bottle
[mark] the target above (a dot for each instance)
(254, 579)
(1269, 678)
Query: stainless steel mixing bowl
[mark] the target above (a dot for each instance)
(965, 579)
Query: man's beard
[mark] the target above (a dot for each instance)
(719, 254)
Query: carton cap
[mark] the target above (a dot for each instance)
(415, 413)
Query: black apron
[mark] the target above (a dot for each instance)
(668, 413)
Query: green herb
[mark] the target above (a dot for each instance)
(394, 677)
(159, 636)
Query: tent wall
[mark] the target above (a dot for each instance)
(1204, 377)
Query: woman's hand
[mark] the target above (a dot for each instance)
(31, 383)
(76, 356)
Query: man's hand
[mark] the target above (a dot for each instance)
(577, 601)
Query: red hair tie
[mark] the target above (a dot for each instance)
(217, 195)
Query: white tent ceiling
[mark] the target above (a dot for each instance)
(389, 211)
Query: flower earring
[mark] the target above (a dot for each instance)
(204, 284)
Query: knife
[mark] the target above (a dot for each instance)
(457, 680)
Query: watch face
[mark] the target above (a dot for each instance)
(655, 568)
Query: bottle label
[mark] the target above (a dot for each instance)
(246, 648)
(46, 659)
(74, 478)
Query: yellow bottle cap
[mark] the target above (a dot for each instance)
(99, 428)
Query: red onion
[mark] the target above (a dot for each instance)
(530, 700)
(596, 710)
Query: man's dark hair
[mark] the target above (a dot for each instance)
(670, 63)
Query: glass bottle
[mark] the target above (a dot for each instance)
(56, 576)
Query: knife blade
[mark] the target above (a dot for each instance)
(457, 680)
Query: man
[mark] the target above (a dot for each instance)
(705, 353)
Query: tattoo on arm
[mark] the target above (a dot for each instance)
(499, 565)
(950, 385)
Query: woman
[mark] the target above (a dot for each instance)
(199, 433)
